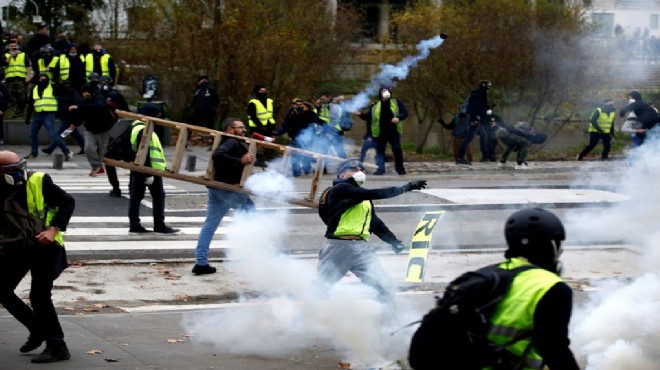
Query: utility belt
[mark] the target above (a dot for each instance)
(347, 237)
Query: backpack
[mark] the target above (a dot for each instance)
(324, 209)
(452, 336)
(120, 148)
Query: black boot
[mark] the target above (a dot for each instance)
(32, 343)
(55, 351)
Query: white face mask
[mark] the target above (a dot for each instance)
(386, 95)
(359, 177)
(631, 100)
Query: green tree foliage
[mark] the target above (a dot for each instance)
(288, 45)
(534, 53)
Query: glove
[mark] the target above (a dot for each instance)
(414, 185)
(398, 247)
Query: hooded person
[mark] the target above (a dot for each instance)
(71, 67)
(33, 241)
(476, 107)
(140, 181)
(386, 118)
(348, 212)
(647, 116)
(204, 104)
(260, 111)
(601, 127)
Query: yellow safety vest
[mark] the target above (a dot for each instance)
(45, 103)
(515, 313)
(105, 64)
(156, 154)
(605, 121)
(65, 66)
(356, 221)
(375, 117)
(16, 67)
(36, 204)
(43, 68)
(264, 114)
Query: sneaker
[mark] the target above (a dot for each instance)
(462, 161)
(115, 193)
(138, 230)
(379, 173)
(166, 230)
(401, 173)
(68, 156)
(203, 269)
(81, 152)
(97, 172)
(53, 353)
(31, 344)
(49, 152)
(31, 155)
(522, 166)
(501, 165)
(578, 158)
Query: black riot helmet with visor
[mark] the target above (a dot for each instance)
(14, 174)
(535, 234)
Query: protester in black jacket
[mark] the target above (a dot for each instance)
(40, 250)
(229, 159)
(477, 109)
(98, 119)
(298, 125)
(204, 104)
(645, 113)
(68, 97)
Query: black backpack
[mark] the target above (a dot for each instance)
(120, 148)
(452, 336)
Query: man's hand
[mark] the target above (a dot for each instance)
(395, 120)
(414, 185)
(47, 236)
(247, 159)
(398, 247)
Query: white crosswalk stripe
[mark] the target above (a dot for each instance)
(100, 184)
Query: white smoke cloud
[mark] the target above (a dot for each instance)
(618, 327)
(290, 316)
(388, 73)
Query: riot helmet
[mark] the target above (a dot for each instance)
(535, 234)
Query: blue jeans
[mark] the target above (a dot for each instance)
(47, 120)
(75, 135)
(219, 203)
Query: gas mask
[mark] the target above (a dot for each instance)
(386, 95)
(631, 100)
(359, 177)
(14, 174)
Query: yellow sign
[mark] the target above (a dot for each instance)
(421, 245)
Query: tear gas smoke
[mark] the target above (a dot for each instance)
(388, 73)
(618, 328)
(291, 314)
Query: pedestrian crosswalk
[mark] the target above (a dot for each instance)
(100, 184)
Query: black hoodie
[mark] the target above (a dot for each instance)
(644, 112)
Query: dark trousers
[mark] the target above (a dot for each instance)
(487, 142)
(111, 171)
(594, 138)
(456, 147)
(394, 139)
(472, 130)
(137, 189)
(45, 263)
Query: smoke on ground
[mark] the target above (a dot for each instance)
(618, 327)
(281, 312)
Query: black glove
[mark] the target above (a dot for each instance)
(398, 247)
(414, 185)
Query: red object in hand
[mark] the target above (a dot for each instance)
(258, 136)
